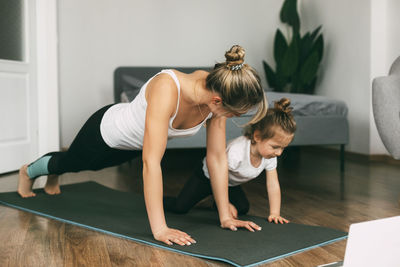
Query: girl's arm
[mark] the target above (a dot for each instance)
(217, 165)
(161, 104)
(274, 197)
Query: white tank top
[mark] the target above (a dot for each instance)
(122, 125)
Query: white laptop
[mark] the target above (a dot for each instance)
(372, 244)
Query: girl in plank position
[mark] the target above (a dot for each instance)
(171, 104)
(248, 156)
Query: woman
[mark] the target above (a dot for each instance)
(171, 104)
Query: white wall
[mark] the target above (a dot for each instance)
(363, 40)
(96, 36)
(393, 9)
(47, 63)
(345, 66)
(379, 63)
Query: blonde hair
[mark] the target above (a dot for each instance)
(238, 84)
(277, 118)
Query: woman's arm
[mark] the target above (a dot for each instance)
(274, 197)
(161, 95)
(217, 165)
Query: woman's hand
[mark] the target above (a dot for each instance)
(233, 211)
(233, 224)
(170, 236)
(277, 219)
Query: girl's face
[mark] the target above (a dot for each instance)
(272, 147)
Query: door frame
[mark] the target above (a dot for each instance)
(47, 76)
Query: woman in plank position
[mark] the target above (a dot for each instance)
(171, 104)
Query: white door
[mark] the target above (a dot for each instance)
(18, 79)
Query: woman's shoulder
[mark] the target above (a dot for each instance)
(163, 83)
(162, 89)
(195, 75)
(197, 72)
(163, 79)
(201, 72)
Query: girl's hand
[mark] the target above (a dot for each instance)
(276, 219)
(233, 211)
(170, 236)
(233, 224)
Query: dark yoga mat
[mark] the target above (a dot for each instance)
(123, 214)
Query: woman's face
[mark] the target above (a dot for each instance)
(217, 108)
(230, 114)
(220, 111)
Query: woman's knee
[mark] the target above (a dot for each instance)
(63, 162)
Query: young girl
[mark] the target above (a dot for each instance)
(248, 156)
(171, 104)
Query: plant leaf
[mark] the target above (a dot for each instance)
(270, 75)
(309, 88)
(290, 16)
(305, 48)
(295, 82)
(281, 82)
(280, 47)
(285, 11)
(290, 59)
(318, 47)
(315, 32)
(309, 70)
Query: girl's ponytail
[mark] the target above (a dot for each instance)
(279, 117)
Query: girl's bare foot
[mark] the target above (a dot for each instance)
(52, 186)
(25, 183)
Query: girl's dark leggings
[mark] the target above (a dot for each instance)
(197, 188)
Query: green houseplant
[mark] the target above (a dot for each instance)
(298, 59)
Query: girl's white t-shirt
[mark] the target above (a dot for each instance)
(240, 169)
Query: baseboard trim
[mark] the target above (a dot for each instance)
(353, 156)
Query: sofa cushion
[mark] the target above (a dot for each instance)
(309, 105)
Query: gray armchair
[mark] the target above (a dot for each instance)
(386, 108)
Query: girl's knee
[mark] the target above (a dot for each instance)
(243, 208)
(170, 204)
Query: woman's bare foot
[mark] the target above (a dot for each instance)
(25, 183)
(52, 186)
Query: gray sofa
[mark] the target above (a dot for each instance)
(320, 120)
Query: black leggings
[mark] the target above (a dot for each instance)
(88, 151)
(197, 188)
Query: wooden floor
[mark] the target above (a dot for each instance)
(312, 194)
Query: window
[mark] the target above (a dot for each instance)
(12, 30)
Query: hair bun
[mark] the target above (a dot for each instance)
(234, 56)
(283, 105)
